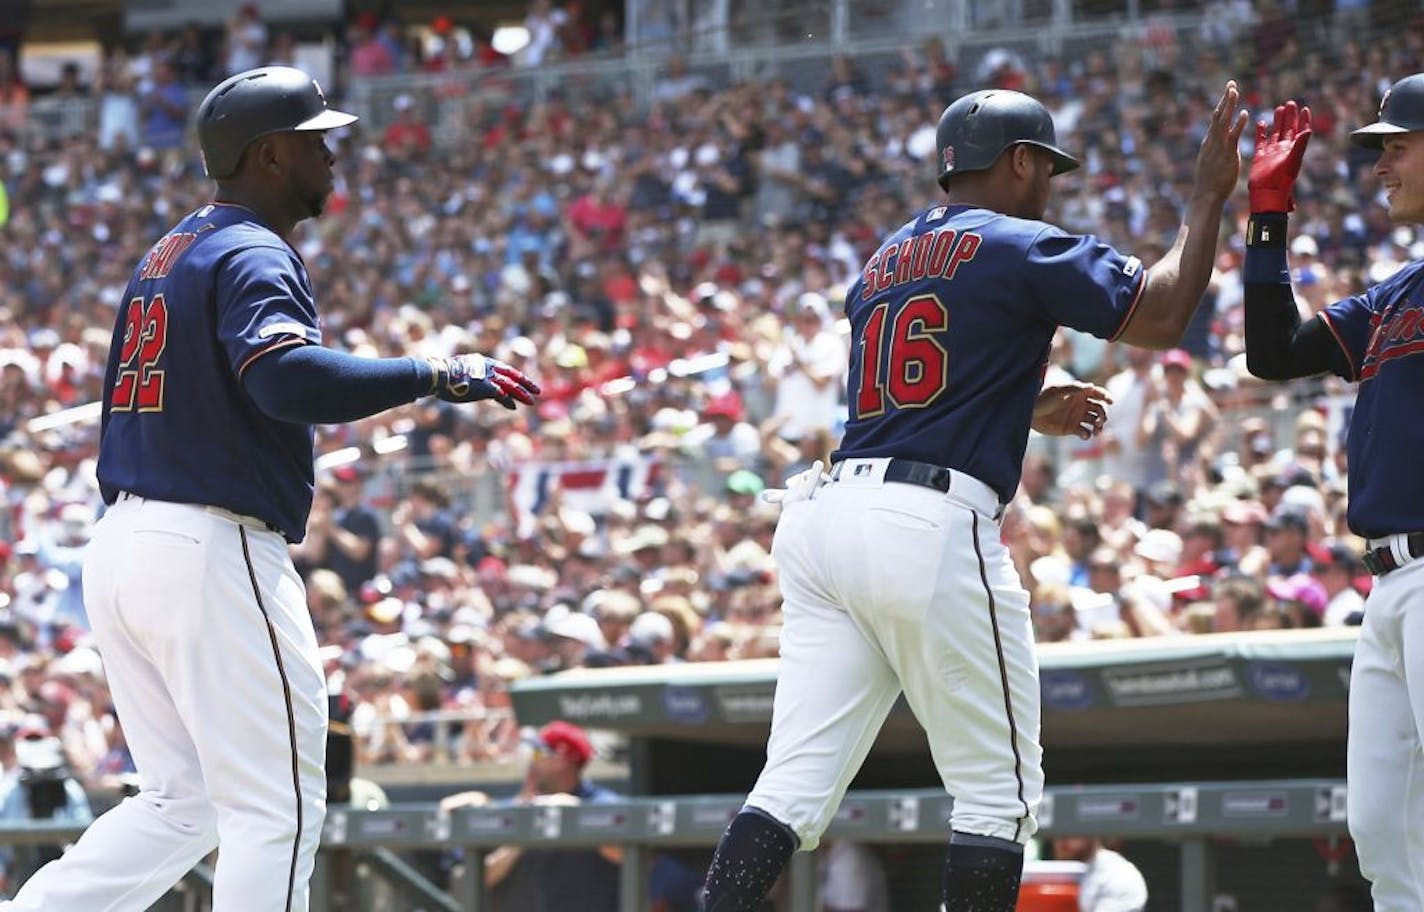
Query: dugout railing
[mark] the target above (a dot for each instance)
(1219, 758)
(1190, 816)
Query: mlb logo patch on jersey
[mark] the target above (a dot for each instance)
(937, 213)
(1130, 268)
(288, 328)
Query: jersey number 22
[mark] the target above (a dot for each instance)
(139, 385)
(914, 365)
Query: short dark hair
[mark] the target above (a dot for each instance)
(1245, 591)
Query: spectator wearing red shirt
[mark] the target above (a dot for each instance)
(14, 97)
(406, 137)
(369, 56)
(597, 221)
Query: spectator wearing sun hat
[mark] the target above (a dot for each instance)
(1300, 600)
(1160, 551)
(809, 368)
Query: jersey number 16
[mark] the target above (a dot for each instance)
(903, 363)
(139, 385)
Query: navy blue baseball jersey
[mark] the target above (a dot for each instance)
(214, 294)
(1382, 334)
(951, 323)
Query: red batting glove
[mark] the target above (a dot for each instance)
(1279, 151)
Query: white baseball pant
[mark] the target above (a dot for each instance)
(212, 661)
(1385, 765)
(887, 586)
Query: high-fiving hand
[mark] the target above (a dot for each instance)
(1074, 408)
(473, 378)
(1279, 151)
(1219, 160)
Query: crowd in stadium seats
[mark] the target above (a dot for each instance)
(672, 274)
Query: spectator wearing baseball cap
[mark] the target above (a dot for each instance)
(1287, 532)
(568, 743)
(556, 880)
(1162, 503)
(1300, 600)
(1242, 530)
(1160, 550)
(1337, 565)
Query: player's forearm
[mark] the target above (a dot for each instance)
(352, 545)
(1147, 426)
(309, 384)
(499, 863)
(1278, 345)
(1176, 283)
(1042, 411)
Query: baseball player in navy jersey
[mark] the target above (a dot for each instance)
(1376, 339)
(215, 378)
(891, 568)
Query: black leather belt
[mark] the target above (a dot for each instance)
(1381, 560)
(908, 471)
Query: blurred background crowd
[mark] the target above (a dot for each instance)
(670, 264)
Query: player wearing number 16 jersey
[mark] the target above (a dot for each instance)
(891, 568)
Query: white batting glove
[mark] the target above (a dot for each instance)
(799, 486)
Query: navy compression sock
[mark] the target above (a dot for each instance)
(981, 874)
(750, 857)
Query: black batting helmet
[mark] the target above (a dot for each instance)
(255, 103)
(1401, 111)
(978, 127)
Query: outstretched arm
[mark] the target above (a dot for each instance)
(1175, 283)
(310, 384)
(1278, 345)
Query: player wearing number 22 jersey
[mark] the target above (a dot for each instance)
(952, 320)
(893, 574)
(215, 379)
(209, 443)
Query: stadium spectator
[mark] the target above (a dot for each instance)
(164, 107)
(1240, 605)
(246, 40)
(118, 106)
(1337, 567)
(41, 786)
(1111, 883)
(407, 138)
(554, 880)
(14, 96)
(809, 369)
(192, 58)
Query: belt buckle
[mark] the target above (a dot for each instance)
(1374, 562)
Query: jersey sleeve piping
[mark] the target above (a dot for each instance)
(1132, 308)
(287, 342)
(1349, 358)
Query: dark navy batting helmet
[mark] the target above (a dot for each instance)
(1401, 111)
(274, 99)
(975, 130)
